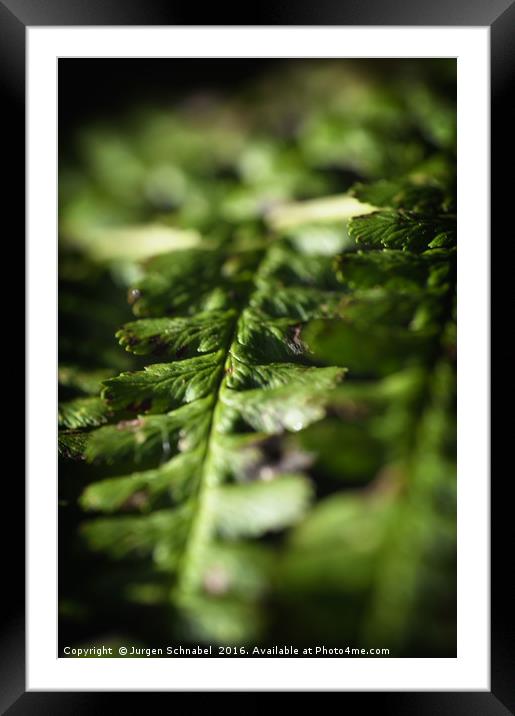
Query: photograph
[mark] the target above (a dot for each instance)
(257, 377)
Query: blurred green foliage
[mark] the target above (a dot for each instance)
(274, 450)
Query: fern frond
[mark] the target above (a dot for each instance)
(270, 454)
(404, 230)
(240, 371)
(401, 306)
(83, 413)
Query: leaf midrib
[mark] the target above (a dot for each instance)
(200, 530)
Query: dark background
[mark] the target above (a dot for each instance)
(98, 88)
(95, 88)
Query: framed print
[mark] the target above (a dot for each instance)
(258, 276)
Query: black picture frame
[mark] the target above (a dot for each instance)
(15, 17)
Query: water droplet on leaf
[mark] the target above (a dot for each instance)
(132, 295)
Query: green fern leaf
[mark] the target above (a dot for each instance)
(240, 372)
(177, 337)
(83, 413)
(405, 230)
(419, 197)
(252, 509)
(71, 444)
